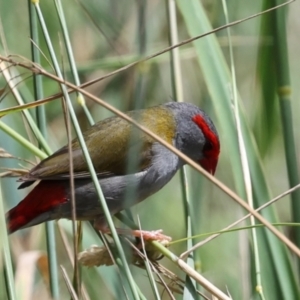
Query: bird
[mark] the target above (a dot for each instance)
(114, 144)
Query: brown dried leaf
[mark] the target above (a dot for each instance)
(42, 264)
(95, 256)
(5, 154)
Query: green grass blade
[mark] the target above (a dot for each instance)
(267, 110)
(284, 94)
(5, 253)
(217, 78)
(41, 123)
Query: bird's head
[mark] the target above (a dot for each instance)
(196, 135)
(211, 148)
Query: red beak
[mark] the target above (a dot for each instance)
(209, 165)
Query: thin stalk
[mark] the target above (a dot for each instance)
(77, 228)
(85, 151)
(22, 141)
(68, 283)
(176, 75)
(139, 93)
(191, 272)
(71, 257)
(244, 160)
(215, 235)
(132, 163)
(148, 267)
(72, 63)
(5, 251)
(41, 123)
(12, 83)
(176, 79)
(139, 101)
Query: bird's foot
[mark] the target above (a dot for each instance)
(155, 235)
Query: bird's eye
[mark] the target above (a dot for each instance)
(208, 146)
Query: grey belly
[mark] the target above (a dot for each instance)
(120, 192)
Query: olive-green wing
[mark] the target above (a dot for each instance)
(111, 143)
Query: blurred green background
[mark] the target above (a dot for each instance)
(106, 35)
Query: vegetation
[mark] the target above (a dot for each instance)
(118, 54)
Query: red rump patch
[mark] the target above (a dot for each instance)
(45, 196)
(211, 149)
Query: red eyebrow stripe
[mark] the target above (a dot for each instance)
(208, 133)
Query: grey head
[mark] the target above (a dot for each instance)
(196, 135)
